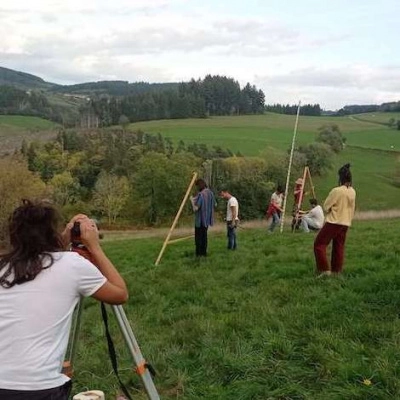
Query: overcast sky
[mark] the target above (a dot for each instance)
(319, 51)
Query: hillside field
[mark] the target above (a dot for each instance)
(368, 147)
(378, 117)
(269, 130)
(256, 324)
(15, 128)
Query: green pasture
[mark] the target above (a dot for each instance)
(255, 324)
(378, 117)
(15, 128)
(372, 178)
(251, 135)
(17, 122)
(369, 147)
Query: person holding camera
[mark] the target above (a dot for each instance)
(232, 218)
(40, 285)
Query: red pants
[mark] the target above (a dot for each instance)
(336, 234)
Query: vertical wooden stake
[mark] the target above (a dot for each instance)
(178, 214)
(290, 166)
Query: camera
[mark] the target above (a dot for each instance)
(76, 236)
(76, 231)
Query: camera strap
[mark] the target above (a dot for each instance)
(111, 351)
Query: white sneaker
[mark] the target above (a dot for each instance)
(325, 273)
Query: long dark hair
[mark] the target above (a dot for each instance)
(33, 234)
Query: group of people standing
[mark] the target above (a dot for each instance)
(204, 204)
(339, 207)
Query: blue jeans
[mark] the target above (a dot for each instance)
(231, 234)
(275, 221)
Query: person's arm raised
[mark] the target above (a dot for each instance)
(114, 291)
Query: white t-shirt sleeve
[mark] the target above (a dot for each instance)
(88, 277)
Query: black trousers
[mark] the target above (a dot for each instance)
(200, 239)
(59, 393)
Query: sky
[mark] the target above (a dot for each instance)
(334, 53)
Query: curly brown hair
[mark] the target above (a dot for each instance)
(33, 234)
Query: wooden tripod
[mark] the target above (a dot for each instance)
(297, 206)
(178, 214)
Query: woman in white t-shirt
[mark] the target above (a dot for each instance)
(40, 285)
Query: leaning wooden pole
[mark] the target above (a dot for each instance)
(290, 167)
(311, 183)
(178, 214)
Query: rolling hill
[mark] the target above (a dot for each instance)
(22, 80)
(26, 81)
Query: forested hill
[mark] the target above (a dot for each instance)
(106, 103)
(22, 80)
(113, 88)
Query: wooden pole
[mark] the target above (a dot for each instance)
(178, 214)
(306, 174)
(180, 239)
(290, 167)
(311, 182)
(298, 205)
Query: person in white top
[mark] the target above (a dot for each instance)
(232, 218)
(314, 218)
(40, 285)
(275, 208)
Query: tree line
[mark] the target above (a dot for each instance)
(211, 96)
(34, 103)
(291, 109)
(393, 106)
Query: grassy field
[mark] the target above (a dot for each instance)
(252, 134)
(15, 128)
(16, 122)
(255, 323)
(369, 147)
(378, 117)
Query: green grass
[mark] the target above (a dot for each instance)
(255, 323)
(372, 178)
(378, 117)
(15, 128)
(15, 122)
(251, 135)
(368, 147)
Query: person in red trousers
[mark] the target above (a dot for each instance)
(340, 207)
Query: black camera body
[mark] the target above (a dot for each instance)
(76, 232)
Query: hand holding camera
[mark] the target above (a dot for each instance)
(82, 232)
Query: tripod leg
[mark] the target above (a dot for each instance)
(142, 368)
(68, 366)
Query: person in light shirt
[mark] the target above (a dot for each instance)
(313, 219)
(232, 218)
(40, 285)
(275, 208)
(339, 207)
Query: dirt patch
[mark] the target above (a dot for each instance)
(188, 231)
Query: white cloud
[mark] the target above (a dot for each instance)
(334, 87)
(163, 40)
